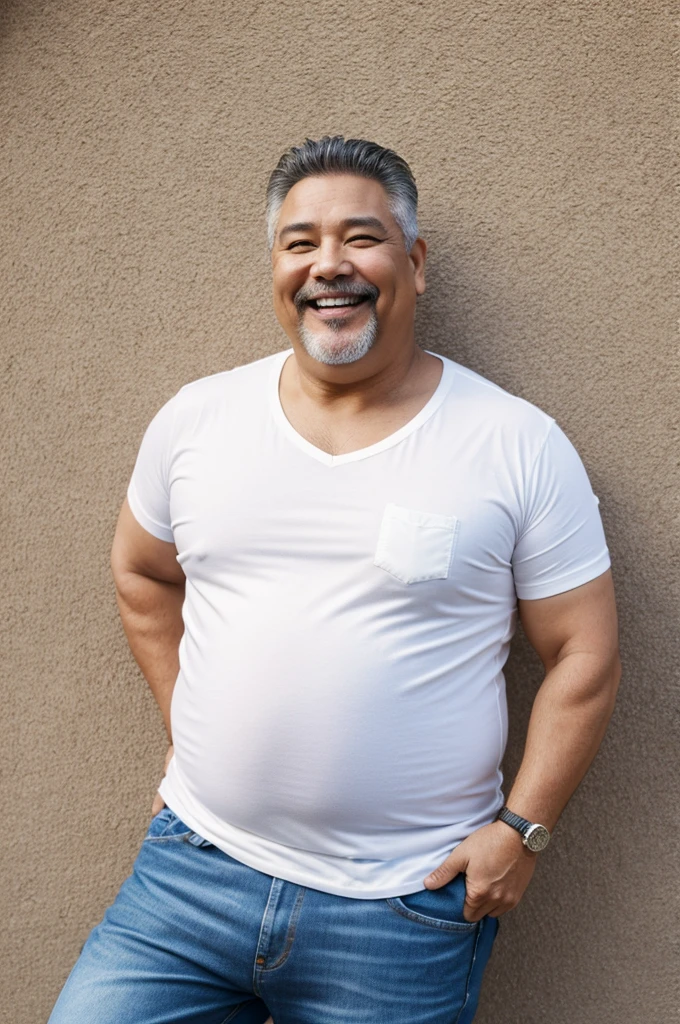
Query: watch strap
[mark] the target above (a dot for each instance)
(520, 824)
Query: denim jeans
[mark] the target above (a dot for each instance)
(195, 935)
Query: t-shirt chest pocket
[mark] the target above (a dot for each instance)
(415, 546)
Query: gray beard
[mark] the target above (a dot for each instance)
(319, 345)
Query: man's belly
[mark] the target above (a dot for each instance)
(322, 742)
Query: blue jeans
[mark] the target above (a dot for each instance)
(195, 935)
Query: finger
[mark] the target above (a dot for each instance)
(498, 910)
(502, 907)
(489, 904)
(478, 902)
(448, 869)
(474, 914)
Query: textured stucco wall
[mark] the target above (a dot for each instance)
(137, 138)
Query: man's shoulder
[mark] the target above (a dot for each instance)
(238, 378)
(487, 401)
(239, 387)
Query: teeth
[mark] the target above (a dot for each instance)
(323, 303)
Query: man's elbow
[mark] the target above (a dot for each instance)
(590, 680)
(604, 685)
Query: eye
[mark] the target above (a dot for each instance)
(369, 239)
(300, 242)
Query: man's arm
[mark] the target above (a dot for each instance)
(575, 635)
(150, 593)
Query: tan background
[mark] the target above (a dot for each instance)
(137, 140)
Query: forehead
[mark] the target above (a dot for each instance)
(334, 198)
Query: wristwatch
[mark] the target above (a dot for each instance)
(535, 837)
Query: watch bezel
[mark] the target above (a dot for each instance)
(536, 838)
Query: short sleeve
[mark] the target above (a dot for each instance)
(561, 543)
(149, 491)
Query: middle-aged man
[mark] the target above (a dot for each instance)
(319, 567)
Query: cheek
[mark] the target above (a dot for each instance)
(284, 307)
(286, 282)
(283, 300)
(393, 296)
(386, 276)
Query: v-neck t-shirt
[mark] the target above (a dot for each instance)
(339, 717)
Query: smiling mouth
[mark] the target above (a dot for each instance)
(337, 302)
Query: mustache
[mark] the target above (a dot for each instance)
(330, 291)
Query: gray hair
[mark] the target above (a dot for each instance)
(333, 154)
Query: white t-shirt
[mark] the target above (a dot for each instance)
(339, 717)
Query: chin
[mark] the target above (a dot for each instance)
(333, 349)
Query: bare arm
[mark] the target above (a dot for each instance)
(150, 593)
(575, 635)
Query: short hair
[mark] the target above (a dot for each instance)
(333, 154)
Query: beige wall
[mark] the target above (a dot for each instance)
(137, 138)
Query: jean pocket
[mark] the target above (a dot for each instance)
(415, 546)
(438, 908)
(166, 825)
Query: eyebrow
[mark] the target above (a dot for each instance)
(351, 222)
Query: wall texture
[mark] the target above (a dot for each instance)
(137, 139)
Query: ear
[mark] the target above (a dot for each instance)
(417, 257)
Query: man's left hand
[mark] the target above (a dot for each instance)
(498, 868)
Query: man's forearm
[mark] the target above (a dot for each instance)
(567, 724)
(568, 721)
(151, 612)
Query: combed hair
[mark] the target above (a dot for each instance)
(333, 154)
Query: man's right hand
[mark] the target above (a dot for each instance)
(158, 801)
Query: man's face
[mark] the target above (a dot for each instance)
(341, 274)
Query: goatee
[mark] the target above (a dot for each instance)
(338, 351)
(322, 345)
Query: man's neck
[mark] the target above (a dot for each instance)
(344, 418)
(406, 376)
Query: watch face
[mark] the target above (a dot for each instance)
(537, 838)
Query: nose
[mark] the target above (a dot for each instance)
(331, 262)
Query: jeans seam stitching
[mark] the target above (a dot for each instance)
(256, 990)
(432, 922)
(236, 1009)
(291, 933)
(473, 958)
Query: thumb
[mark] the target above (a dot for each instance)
(456, 862)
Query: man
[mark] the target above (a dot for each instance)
(319, 566)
